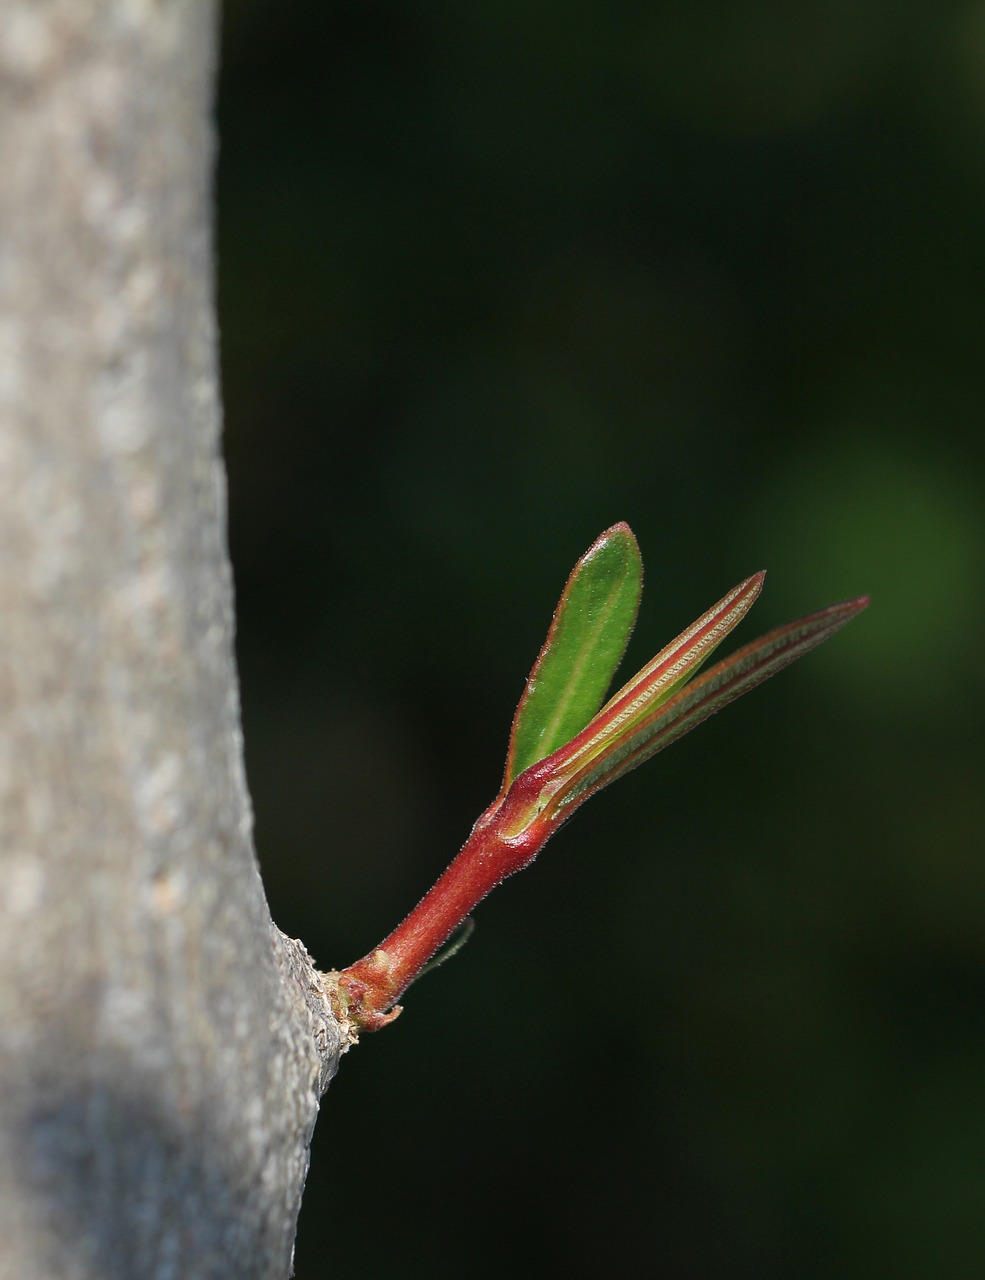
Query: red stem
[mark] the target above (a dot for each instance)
(373, 984)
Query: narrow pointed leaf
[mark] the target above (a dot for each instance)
(726, 681)
(586, 641)
(659, 680)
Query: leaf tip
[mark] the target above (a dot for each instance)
(618, 532)
(845, 610)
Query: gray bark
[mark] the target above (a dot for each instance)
(162, 1046)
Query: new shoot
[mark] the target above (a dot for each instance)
(565, 745)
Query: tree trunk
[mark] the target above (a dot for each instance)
(162, 1046)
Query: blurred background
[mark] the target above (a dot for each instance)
(494, 276)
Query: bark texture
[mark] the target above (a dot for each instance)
(162, 1046)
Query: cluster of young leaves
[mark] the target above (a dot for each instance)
(561, 714)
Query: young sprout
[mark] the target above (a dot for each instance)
(565, 745)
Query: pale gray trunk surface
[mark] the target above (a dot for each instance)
(162, 1050)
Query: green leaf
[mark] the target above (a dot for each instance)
(613, 744)
(586, 641)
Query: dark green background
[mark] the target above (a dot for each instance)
(493, 276)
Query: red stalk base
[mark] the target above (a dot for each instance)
(372, 986)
